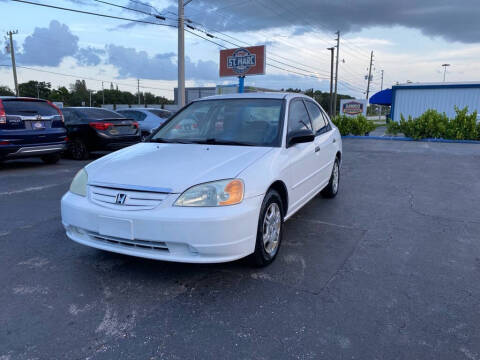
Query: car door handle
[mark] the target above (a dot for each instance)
(317, 149)
(334, 141)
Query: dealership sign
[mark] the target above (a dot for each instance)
(353, 107)
(242, 61)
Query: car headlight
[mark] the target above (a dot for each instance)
(216, 193)
(79, 183)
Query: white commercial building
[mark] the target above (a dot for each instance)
(416, 98)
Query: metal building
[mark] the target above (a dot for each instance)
(416, 98)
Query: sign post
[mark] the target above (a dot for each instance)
(241, 62)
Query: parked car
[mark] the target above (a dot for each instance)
(148, 119)
(31, 128)
(96, 129)
(216, 194)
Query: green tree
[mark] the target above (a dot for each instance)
(60, 95)
(6, 91)
(79, 93)
(35, 89)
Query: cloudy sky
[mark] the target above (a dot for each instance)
(410, 39)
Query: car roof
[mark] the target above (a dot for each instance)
(143, 109)
(255, 95)
(86, 107)
(20, 98)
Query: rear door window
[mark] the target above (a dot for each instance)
(28, 108)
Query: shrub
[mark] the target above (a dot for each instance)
(358, 125)
(432, 124)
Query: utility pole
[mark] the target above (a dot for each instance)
(381, 86)
(181, 56)
(38, 90)
(369, 74)
(336, 75)
(14, 66)
(445, 70)
(330, 107)
(138, 90)
(103, 94)
(90, 92)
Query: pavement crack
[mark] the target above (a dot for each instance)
(411, 201)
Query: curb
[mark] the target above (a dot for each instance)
(401, 138)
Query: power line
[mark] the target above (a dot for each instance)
(93, 13)
(87, 78)
(150, 23)
(160, 17)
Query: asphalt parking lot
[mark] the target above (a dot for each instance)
(388, 270)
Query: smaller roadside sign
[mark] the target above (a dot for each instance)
(351, 107)
(242, 61)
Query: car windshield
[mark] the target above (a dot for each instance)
(250, 122)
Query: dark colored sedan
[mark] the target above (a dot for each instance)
(95, 129)
(31, 128)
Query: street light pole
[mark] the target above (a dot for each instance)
(445, 70)
(181, 55)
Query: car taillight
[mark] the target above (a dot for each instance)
(100, 125)
(3, 115)
(4, 142)
(58, 110)
(135, 124)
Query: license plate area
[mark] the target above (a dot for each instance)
(120, 228)
(38, 125)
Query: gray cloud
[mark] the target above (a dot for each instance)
(449, 19)
(133, 63)
(89, 56)
(48, 46)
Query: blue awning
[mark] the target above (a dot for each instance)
(383, 97)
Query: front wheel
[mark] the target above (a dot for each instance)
(270, 230)
(332, 188)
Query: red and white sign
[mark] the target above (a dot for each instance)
(242, 61)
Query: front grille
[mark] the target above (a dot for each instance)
(139, 244)
(134, 200)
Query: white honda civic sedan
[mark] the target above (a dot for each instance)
(215, 183)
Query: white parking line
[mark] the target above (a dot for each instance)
(33, 188)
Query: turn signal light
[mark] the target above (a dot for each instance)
(234, 189)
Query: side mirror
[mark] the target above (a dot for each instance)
(300, 136)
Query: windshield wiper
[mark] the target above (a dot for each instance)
(171, 141)
(213, 141)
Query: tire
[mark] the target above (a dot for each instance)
(269, 233)
(78, 150)
(332, 188)
(50, 158)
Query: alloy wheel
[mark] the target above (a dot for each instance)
(272, 223)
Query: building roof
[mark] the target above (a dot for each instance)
(438, 85)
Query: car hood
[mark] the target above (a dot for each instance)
(173, 167)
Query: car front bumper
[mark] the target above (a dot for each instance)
(180, 234)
